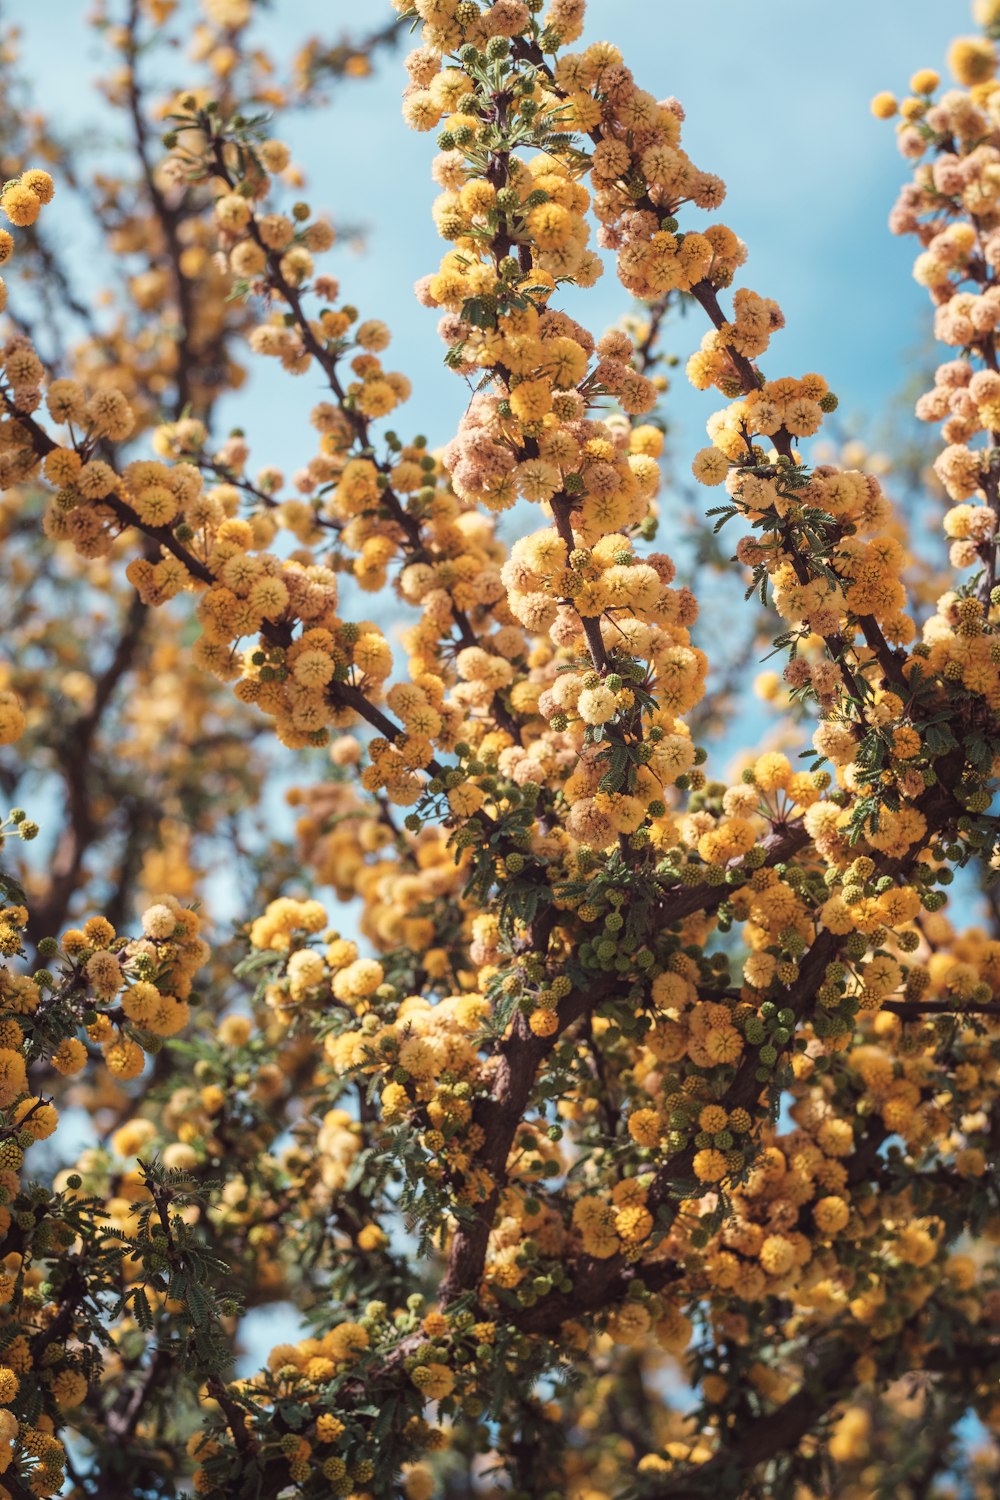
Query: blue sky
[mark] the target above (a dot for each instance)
(777, 101)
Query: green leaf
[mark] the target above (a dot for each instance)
(938, 738)
(11, 889)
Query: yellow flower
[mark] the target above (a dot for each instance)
(20, 204)
(434, 1380)
(972, 59)
(709, 1165)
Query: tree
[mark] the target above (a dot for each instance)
(640, 1138)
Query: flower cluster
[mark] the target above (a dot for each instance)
(619, 1067)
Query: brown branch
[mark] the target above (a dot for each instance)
(915, 1010)
(645, 354)
(234, 1415)
(123, 1421)
(349, 696)
(75, 751)
(765, 1437)
(681, 901)
(499, 1114)
(74, 1291)
(10, 1482)
(829, 1380)
(168, 217)
(561, 514)
(988, 549)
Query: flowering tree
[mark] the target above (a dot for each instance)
(640, 1139)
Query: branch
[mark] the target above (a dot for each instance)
(499, 1115)
(123, 1422)
(561, 513)
(75, 752)
(168, 217)
(766, 1437)
(17, 1491)
(233, 1413)
(915, 1010)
